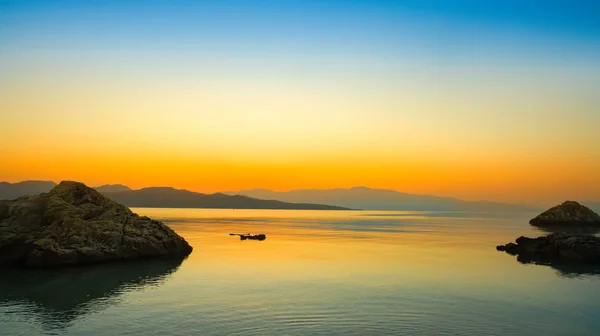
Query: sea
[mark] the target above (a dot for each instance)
(317, 273)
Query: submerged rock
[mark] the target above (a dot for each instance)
(569, 213)
(556, 247)
(73, 224)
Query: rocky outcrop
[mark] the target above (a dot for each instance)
(569, 213)
(556, 247)
(73, 224)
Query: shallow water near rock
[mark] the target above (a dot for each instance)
(319, 272)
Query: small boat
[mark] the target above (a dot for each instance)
(244, 236)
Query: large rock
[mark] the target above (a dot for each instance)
(567, 214)
(556, 247)
(74, 224)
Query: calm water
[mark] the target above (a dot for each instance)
(318, 272)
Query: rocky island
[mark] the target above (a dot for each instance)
(560, 246)
(569, 213)
(74, 225)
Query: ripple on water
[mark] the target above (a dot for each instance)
(318, 273)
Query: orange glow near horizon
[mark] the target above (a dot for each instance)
(501, 178)
(512, 133)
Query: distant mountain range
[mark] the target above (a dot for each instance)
(379, 199)
(593, 205)
(112, 188)
(14, 190)
(164, 197)
(324, 199)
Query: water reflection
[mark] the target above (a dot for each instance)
(317, 273)
(57, 297)
(562, 268)
(569, 270)
(569, 229)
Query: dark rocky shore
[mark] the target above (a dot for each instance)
(73, 225)
(562, 246)
(554, 247)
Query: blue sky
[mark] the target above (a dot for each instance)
(436, 30)
(476, 99)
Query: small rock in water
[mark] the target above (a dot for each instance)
(569, 213)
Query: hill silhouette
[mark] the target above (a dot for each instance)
(14, 190)
(340, 198)
(112, 188)
(380, 199)
(166, 197)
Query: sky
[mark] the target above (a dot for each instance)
(486, 99)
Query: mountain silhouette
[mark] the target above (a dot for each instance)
(380, 199)
(14, 190)
(594, 206)
(112, 188)
(321, 199)
(166, 197)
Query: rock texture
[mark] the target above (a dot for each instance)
(569, 213)
(74, 224)
(556, 247)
